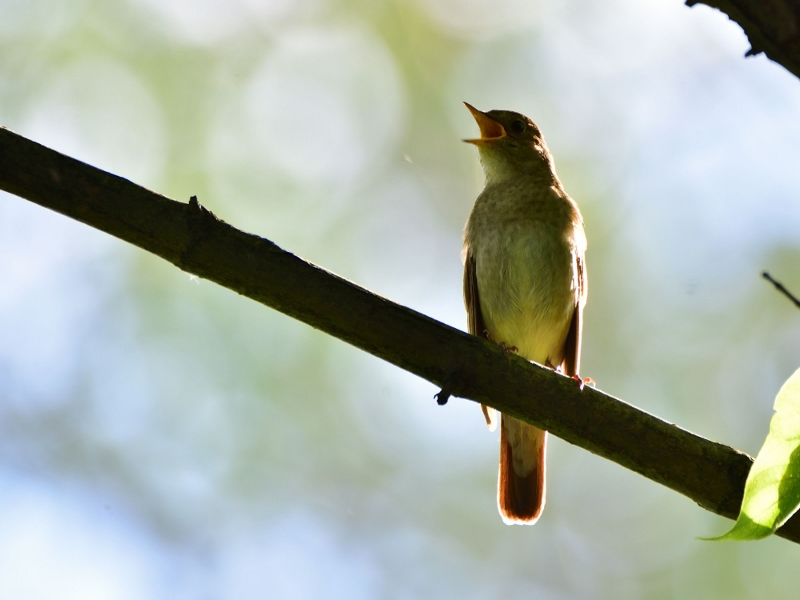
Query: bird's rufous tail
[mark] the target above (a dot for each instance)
(521, 484)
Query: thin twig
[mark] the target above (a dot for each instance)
(781, 289)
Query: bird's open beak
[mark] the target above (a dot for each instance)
(491, 130)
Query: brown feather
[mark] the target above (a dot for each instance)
(572, 344)
(521, 498)
(475, 323)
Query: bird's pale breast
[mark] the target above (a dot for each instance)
(525, 241)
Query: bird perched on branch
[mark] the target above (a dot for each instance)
(524, 284)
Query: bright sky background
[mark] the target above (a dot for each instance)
(161, 437)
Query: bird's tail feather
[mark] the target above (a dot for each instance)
(521, 484)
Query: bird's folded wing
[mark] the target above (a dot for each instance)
(572, 345)
(475, 323)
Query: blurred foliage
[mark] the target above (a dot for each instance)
(161, 437)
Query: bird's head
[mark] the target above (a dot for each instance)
(510, 144)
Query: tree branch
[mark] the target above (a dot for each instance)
(193, 239)
(771, 26)
(780, 287)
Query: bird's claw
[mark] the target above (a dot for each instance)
(583, 381)
(507, 349)
(503, 346)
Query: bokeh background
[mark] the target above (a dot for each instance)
(161, 437)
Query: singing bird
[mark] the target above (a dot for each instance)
(524, 284)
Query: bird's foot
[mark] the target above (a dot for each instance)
(583, 381)
(503, 346)
(507, 350)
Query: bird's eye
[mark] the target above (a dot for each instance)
(517, 126)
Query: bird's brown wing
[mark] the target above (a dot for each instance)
(572, 345)
(475, 323)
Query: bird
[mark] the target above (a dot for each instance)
(525, 285)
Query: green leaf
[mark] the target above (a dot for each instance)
(772, 491)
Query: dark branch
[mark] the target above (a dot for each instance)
(781, 289)
(193, 239)
(771, 26)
